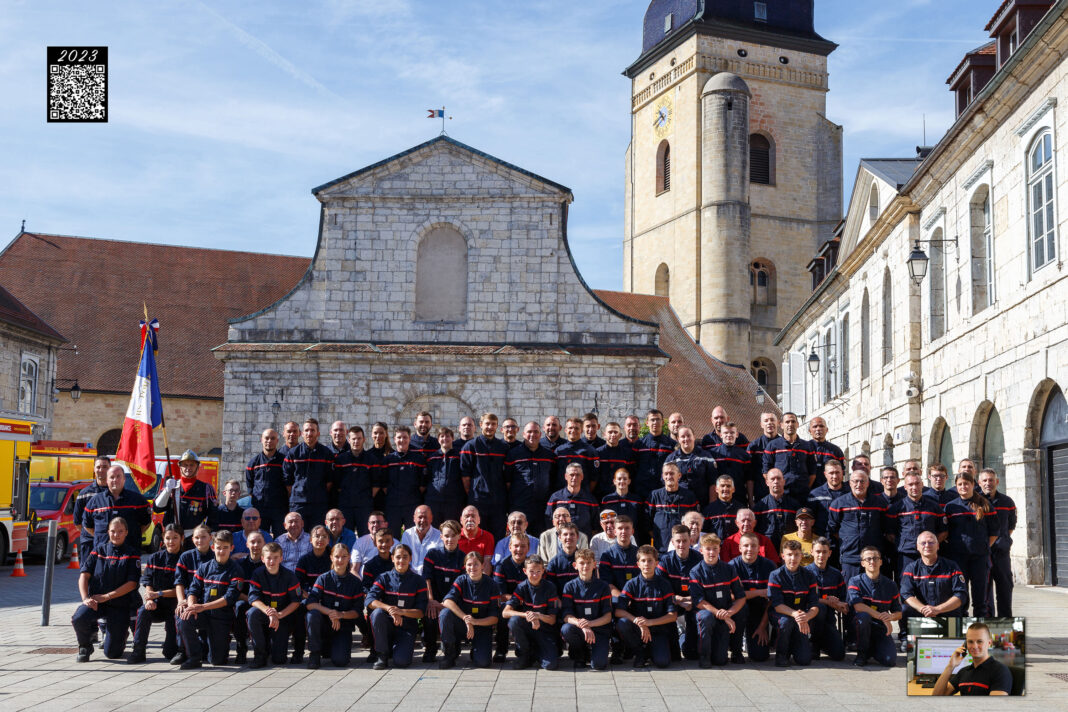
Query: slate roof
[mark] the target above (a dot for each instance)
(91, 291)
(895, 171)
(15, 312)
(693, 382)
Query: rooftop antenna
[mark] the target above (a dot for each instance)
(23, 228)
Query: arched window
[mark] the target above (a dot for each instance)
(888, 318)
(441, 276)
(1043, 222)
(843, 348)
(873, 204)
(663, 167)
(982, 239)
(827, 365)
(761, 159)
(28, 385)
(762, 282)
(662, 281)
(945, 448)
(764, 373)
(994, 444)
(865, 336)
(937, 279)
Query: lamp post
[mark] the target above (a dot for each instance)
(917, 261)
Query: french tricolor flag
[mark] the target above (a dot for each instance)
(144, 414)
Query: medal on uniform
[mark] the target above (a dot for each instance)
(629, 576)
(685, 588)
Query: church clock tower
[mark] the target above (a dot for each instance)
(733, 173)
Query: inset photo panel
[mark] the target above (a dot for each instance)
(966, 656)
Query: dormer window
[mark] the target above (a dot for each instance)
(760, 11)
(667, 23)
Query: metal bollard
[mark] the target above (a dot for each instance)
(50, 566)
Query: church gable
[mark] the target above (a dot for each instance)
(443, 244)
(441, 168)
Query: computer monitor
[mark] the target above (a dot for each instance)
(932, 655)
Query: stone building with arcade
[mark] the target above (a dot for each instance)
(935, 328)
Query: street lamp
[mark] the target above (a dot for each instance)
(760, 397)
(75, 392)
(276, 406)
(917, 261)
(813, 362)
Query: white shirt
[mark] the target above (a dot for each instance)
(600, 543)
(501, 551)
(432, 540)
(365, 550)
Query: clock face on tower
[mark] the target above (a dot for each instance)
(662, 117)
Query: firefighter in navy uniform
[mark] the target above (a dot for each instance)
(482, 468)
(824, 450)
(357, 475)
(160, 600)
(396, 601)
(932, 586)
(309, 471)
(718, 598)
(334, 604)
(792, 596)
(645, 613)
(794, 456)
(732, 459)
(228, 514)
(266, 483)
(613, 455)
(209, 606)
(666, 506)
(99, 484)
(108, 588)
(1000, 563)
(578, 451)
(877, 603)
(472, 608)
(755, 486)
(445, 494)
(508, 574)
(776, 513)
(274, 596)
(532, 615)
(186, 501)
(530, 474)
(697, 469)
(586, 609)
(116, 501)
(440, 568)
(651, 451)
(831, 590)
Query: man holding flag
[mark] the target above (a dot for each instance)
(143, 416)
(193, 499)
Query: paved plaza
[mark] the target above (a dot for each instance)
(35, 680)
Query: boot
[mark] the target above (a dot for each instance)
(84, 653)
(179, 658)
(451, 653)
(258, 661)
(137, 656)
(241, 657)
(192, 664)
(314, 661)
(430, 654)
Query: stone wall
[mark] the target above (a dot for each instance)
(191, 422)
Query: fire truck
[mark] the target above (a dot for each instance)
(15, 439)
(62, 461)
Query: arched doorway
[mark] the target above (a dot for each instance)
(1053, 439)
(108, 443)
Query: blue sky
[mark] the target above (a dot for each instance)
(224, 115)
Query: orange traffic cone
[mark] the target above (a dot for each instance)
(74, 562)
(20, 570)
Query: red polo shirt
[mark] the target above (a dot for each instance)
(482, 542)
(728, 548)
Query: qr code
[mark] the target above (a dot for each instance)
(77, 84)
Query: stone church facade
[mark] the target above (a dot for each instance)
(971, 360)
(442, 280)
(733, 173)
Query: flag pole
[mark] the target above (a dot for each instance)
(162, 418)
